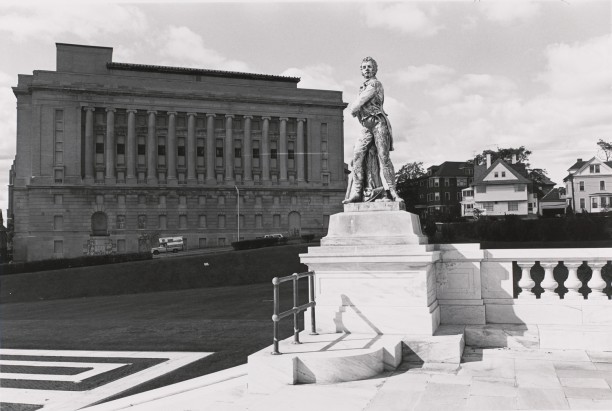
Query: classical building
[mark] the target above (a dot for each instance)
(111, 155)
(589, 186)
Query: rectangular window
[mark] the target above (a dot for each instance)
(462, 182)
(99, 148)
(503, 174)
(238, 152)
(323, 131)
(276, 221)
(290, 154)
(437, 196)
(180, 151)
(447, 182)
(120, 148)
(142, 221)
(447, 196)
(59, 153)
(459, 195)
(512, 205)
(163, 222)
(258, 221)
(604, 203)
(161, 150)
(120, 222)
(488, 206)
(182, 221)
(582, 203)
(256, 153)
(200, 149)
(202, 221)
(602, 185)
(59, 137)
(496, 174)
(594, 168)
(58, 222)
(221, 219)
(58, 175)
(219, 152)
(273, 154)
(436, 182)
(581, 186)
(594, 202)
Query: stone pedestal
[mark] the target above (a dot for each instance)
(374, 273)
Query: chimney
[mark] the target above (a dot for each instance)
(579, 160)
(514, 159)
(488, 160)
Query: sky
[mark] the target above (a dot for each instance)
(460, 77)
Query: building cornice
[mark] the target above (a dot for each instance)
(200, 72)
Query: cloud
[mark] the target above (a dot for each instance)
(183, 47)
(580, 68)
(318, 76)
(407, 18)
(473, 84)
(507, 12)
(48, 20)
(422, 74)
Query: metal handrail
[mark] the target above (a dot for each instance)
(277, 316)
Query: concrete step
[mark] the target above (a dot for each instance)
(323, 359)
(445, 346)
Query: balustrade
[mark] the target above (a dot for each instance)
(551, 288)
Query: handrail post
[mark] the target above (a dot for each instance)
(275, 318)
(296, 330)
(311, 292)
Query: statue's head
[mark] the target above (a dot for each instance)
(368, 67)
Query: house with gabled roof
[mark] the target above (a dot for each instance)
(500, 188)
(589, 186)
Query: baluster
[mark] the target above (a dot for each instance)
(548, 283)
(573, 283)
(526, 283)
(597, 283)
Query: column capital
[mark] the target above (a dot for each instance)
(89, 108)
(266, 118)
(229, 116)
(110, 109)
(131, 110)
(151, 112)
(211, 115)
(172, 113)
(248, 116)
(284, 118)
(301, 119)
(191, 114)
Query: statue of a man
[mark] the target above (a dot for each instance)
(371, 151)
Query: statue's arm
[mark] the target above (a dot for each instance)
(363, 98)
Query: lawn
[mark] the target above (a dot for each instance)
(232, 322)
(209, 303)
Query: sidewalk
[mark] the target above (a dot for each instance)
(487, 379)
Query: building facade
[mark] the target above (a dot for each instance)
(439, 191)
(499, 189)
(588, 186)
(111, 155)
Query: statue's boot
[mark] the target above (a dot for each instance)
(355, 198)
(357, 190)
(394, 195)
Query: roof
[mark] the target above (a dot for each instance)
(197, 71)
(552, 196)
(448, 168)
(481, 171)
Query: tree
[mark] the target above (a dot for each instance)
(407, 183)
(605, 148)
(522, 155)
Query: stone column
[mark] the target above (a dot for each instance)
(229, 145)
(131, 148)
(171, 148)
(526, 282)
(191, 148)
(151, 148)
(210, 149)
(283, 150)
(572, 283)
(300, 150)
(265, 150)
(248, 151)
(110, 149)
(597, 284)
(90, 144)
(548, 284)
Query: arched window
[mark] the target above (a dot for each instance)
(99, 223)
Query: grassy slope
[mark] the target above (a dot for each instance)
(175, 273)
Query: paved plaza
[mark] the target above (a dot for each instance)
(486, 379)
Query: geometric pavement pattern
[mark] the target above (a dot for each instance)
(68, 380)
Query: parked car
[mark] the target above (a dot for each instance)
(273, 236)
